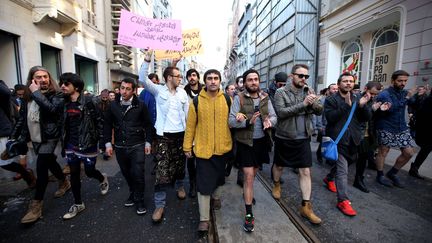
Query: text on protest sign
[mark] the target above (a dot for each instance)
(138, 31)
(192, 45)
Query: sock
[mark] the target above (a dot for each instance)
(248, 209)
(380, 173)
(304, 202)
(393, 171)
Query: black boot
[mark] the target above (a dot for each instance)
(414, 172)
(359, 184)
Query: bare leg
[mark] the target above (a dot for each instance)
(249, 177)
(404, 157)
(305, 183)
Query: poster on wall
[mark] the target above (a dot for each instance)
(384, 63)
(351, 65)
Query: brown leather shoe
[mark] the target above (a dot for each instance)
(181, 194)
(64, 186)
(276, 191)
(203, 226)
(307, 212)
(66, 169)
(157, 215)
(34, 212)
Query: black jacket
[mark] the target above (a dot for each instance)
(51, 106)
(5, 111)
(91, 126)
(337, 111)
(131, 127)
(423, 122)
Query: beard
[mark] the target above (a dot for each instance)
(252, 90)
(297, 85)
(344, 91)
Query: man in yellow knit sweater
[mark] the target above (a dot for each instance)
(207, 128)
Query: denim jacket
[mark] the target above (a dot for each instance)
(392, 120)
(162, 94)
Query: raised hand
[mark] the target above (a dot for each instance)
(385, 106)
(267, 123)
(364, 99)
(254, 117)
(376, 105)
(34, 86)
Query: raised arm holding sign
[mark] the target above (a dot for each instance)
(138, 31)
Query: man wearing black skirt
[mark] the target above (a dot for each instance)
(295, 104)
(252, 115)
(207, 130)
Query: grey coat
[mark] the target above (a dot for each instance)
(288, 106)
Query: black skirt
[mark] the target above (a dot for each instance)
(210, 173)
(254, 156)
(292, 153)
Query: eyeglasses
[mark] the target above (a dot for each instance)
(65, 83)
(302, 75)
(176, 76)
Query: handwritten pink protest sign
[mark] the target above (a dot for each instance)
(138, 31)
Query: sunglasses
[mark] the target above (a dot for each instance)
(280, 84)
(302, 75)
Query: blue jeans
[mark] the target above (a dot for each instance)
(160, 193)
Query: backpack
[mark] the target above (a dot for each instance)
(227, 99)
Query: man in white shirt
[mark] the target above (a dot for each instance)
(171, 111)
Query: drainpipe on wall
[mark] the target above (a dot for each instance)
(317, 47)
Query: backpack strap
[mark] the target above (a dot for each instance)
(227, 99)
(195, 103)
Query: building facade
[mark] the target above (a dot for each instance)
(371, 39)
(276, 34)
(61, 35)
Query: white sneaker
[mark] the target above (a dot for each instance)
(104, 186)
(74, 210)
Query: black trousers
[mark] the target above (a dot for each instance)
(75, 172)
(132, 161)
(44, 163)
(422, 155)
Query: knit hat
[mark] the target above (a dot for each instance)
(281, 77)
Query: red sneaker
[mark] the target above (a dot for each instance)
(331, 185)
(345, 208)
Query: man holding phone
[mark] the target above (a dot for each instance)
(252, 115)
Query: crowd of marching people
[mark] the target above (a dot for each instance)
(205, 130)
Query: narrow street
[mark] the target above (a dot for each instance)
(105, 219)
(383, 215)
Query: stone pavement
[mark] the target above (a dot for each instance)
(271, 222)
(105, 219)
